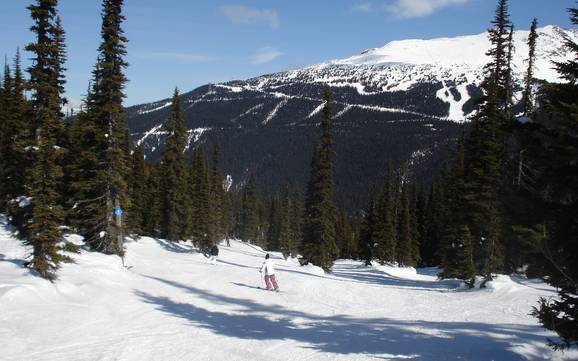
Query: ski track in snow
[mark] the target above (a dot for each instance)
(271, 115)
(172, 305)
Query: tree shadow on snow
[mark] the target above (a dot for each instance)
(344, 335)
(377, 277)
(174, 246)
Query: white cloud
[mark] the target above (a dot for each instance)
(363, 7)
(419, 8)
(195, 58)
(266, 55)
(239, 14)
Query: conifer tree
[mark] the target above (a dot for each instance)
(462, 265)
(366, 241)
(217, 194)
(15, 136)
(384, 230)
(455, 218)
(108, 187)
(200, 182)
(509, 75)
(295, 219)
(153, 196)
(434, 221)
(484, 151)
(496, 83)
(273, 238)
(138, 192)
(528, 96)
(249, 214)
(346, 236)
(43, 232)
(318, 244)
(176, 211)
(554, 151)
(407, 246)
(286, 245)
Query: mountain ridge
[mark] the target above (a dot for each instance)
(388, 105)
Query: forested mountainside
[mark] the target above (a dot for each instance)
(403, 103)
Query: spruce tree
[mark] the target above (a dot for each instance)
(529, 78)
(318, 244)
(153, 199)
(553, 152)
(496, 83)
(217, 194)
(104, 231)
(462, 265)
(138, 192)
(485, 149)
(295, 220)
(249, 214)
(407, 246)
(435, 220)
(272, 242)
(366, 241)
(384, 231)
(15, 137)
(286, 245)
(200, 195)
(43, 227)
(176, 211)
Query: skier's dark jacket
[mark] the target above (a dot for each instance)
(215, 251)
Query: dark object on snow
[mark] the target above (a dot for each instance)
(303, 261)
(267, 256)
(214, 251)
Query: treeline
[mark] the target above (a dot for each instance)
(56, 173)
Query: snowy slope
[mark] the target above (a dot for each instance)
(172, 305)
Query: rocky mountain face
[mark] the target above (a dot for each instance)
(404, 103)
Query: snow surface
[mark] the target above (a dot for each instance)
(173, 305)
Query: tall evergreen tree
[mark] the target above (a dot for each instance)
(217, 194)
(554, 151)
(138, 192)
(108, 189)
(407, 246)
(15, 136)
(43, 232)
(366, 241)
(249, 214)
(485, 149)
(496, 83)
(295, 220)
(384, 230)
(286, 245)
(462, 265)
(153, 197)
(200, 194)
(529, 78)
(318, 244)
(176, 211)
(274, 225)
(434, 221)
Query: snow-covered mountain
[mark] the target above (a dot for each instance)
(419, 90)
(172, 305)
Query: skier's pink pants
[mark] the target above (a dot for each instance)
(271, 280)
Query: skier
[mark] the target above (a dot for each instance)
(269, 268)
(213, 255)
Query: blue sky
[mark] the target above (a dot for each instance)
(188, 43)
